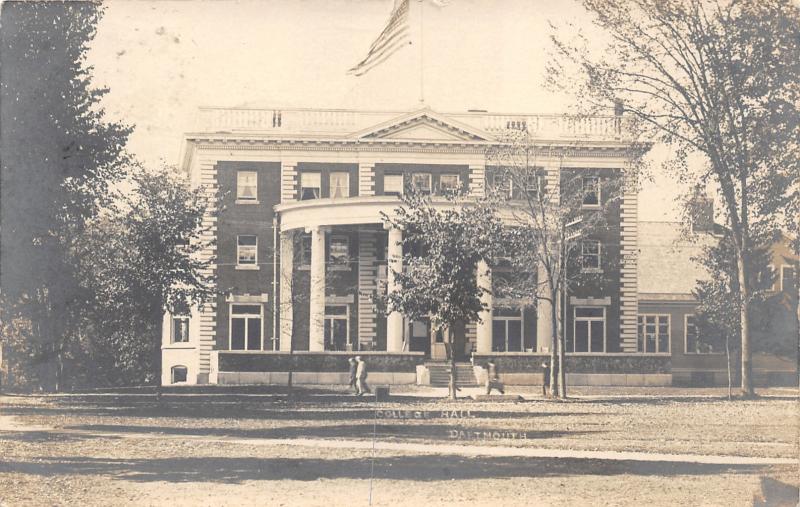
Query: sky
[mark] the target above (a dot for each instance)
(163, 59)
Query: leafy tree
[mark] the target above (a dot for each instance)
(718, 318)
(711, 77)
(443, 244)
(60, 155)
(548, 223)
(139, 259)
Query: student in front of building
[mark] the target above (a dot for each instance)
(493, 379)
(353, 368)
(361, 377)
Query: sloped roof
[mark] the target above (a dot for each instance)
(665, 265)
(426, 122)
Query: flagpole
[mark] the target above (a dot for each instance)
(421, 52)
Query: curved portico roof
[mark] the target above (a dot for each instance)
(360, 210)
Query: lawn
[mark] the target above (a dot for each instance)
(246, 450)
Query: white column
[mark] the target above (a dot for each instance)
(285, 304)
(544, 317)
(316, 328)
(394, 321)
(484, 327)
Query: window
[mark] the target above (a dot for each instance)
(310, 185)
(245, 328)
(449, 183)
(305, 250)
(503, 184)
(694, 342)
(653, 332)
(393, 184)
(421, 182)
(591, 191)
(246, 250)
(179, 374)
(770, 272)
(507, 330)
(340, 184)
(590, 254)
(529, 185)
(336, 327)
(339, 252)
(180, 329)
(246, 186)
(589, 333)
(787, 279)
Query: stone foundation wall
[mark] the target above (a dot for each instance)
(629, 364)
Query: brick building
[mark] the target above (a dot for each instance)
(300, 247)
(667, 309)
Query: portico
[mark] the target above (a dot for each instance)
(374, 254)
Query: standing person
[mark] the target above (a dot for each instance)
(493, 379)
(545, 378)
(353, 367)
(361, 377)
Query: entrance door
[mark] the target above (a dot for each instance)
(419, 336)
(336, 328)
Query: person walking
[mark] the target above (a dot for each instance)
(361, 377)
(493, 379)
(545, 378)
(353, 367)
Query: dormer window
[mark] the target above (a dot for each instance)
(310, 186)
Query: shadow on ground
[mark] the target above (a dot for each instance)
(776, 494)
(261, 411)
(412, 468)
(664, 400)
(412, 431)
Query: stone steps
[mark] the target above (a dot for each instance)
(440, 375)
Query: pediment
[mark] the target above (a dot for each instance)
(424, 125)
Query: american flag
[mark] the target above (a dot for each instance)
(392, 39)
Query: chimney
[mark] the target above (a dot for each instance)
(619, 107)
(702, 213)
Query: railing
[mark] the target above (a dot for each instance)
(342, 121)
(549, 125)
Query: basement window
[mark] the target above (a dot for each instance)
(179, 374)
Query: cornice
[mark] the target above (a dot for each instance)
(585, 150)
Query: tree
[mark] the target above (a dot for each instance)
(139, 259)
(546, 222)
(712, 77)
(718, 320)
(60, 155)
(443, 244)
